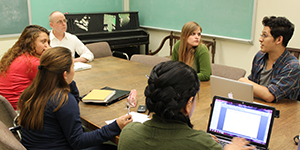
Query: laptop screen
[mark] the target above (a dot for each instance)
(233, 118)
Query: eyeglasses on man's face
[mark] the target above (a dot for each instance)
(62, 21)
(263, 36)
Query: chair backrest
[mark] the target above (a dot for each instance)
(7, 112)
(148, 59)
(99, 49)
(295, 51)
(211, 45)
(227, 71)
(8, 140)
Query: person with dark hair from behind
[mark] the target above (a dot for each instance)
(170, 95)
(49, 113)
(275, 72)
(18, 66)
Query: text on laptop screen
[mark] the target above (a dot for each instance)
(235, 119)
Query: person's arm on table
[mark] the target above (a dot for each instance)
(80, 59)
(74, 132)
(85, 54)
(260, 91)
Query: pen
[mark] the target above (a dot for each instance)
(128, 108)
(147, 76)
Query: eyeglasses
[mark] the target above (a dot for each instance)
(264, 36)
(61, 21)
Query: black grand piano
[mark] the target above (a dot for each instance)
(119, 29)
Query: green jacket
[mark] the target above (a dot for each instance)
(201, 61)
(157, 134)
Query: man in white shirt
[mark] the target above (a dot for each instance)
(59, 37)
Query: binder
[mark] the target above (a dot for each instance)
(119, 95)
(99, 96)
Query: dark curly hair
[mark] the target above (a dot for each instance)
(280, 26)
(170, 86)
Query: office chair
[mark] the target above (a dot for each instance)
(227, 71)
(211, 45)
(8, 116)
(99, 49)
(148, 59)
(294, 51)
(8, 140)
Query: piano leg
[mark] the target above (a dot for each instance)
(147, 49)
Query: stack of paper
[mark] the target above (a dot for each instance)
(81, 66)
(99, 96)
(137, 117)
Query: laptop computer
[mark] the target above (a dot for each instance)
(233, 118)
(231, 88)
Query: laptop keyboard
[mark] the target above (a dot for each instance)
(223, 143)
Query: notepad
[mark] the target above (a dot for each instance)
(81, 66)
(99, 96)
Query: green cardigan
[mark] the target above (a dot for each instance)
(157, 134)
(201, 61)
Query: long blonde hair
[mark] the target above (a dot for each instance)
(48, 85)
(186, 31)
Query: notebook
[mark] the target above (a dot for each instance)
(99, 96)
(233, 118)
(231, 88)
(119, 95)
(78, 66)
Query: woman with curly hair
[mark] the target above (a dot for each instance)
(18, 66)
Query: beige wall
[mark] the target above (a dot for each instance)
(228, 52)
(239, 54)
(6, 43)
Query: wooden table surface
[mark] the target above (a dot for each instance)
(127, 75)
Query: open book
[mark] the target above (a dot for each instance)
(99, 96)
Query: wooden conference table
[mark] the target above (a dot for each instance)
(127, 75)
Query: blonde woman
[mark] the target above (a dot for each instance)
(192, 52)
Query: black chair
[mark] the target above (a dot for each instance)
(211, 45)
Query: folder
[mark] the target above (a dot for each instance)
(99, 96)
(119, 95)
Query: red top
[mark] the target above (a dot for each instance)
(19, 76)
